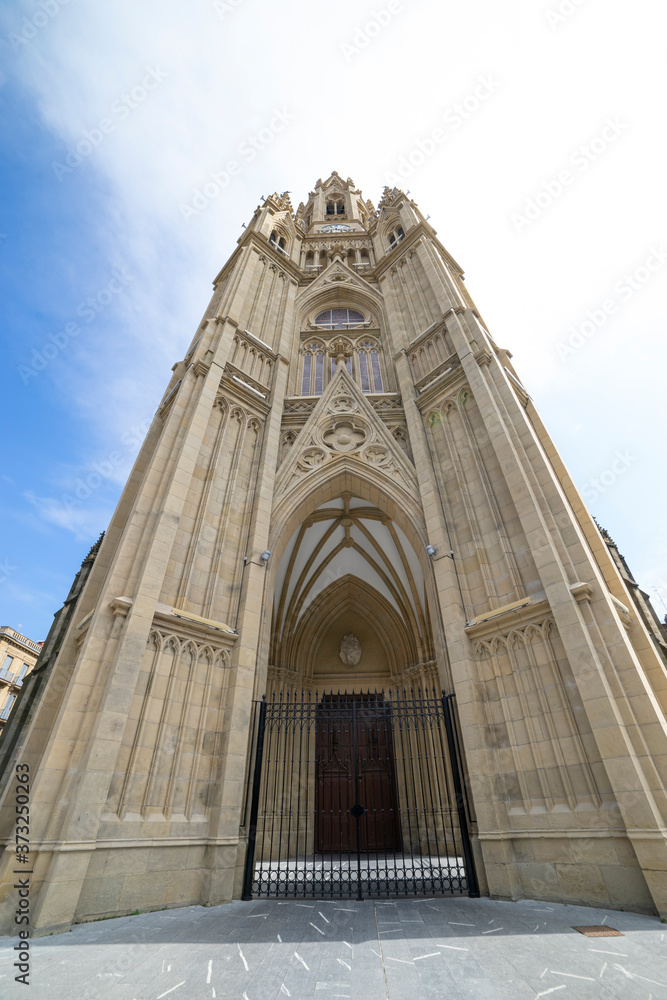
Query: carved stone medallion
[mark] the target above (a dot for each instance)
(350, 649)
(345, 435)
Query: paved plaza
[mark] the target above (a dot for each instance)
(441, 949)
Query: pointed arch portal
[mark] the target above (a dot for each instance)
(349, 569)
(356, 788)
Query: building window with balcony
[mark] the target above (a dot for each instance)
(18, 680)
(7, 707)
(4, 671)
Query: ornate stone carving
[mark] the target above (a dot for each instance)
(350, 649)
(343, 404)
(299, 406)
(344, 435)
(344, 422)
(391, 403)
(312, 457)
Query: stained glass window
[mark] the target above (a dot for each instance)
(305, 384)
(363, 371)
(319, 373)
(375, 368)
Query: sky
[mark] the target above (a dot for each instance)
(531, 133)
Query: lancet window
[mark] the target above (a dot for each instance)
(396, 237)
(362, 362)
(370, 373)
(312, 380)
(336, 206)
(277, 241)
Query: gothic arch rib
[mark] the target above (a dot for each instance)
(352, 540)
(351, 291)
(349, 593)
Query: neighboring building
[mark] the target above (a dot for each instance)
(32, 689)
(18, 656)
(656, 629)
(345, 489)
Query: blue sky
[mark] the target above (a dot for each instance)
(546, 183)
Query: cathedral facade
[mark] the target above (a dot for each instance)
(346, 506)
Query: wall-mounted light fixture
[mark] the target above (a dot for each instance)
(265, 556)
(431, 550)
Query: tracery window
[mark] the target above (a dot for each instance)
(312, 379)
(362, 362)
(339, 319)
(370, 373)
(396, 237)
(277, 241)
(336, 206)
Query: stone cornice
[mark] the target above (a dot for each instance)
(253, 340)
(504, 620)
(176, 623)
(567, 834)
(441, 324)
(181, 623)
(21, 641)
(444, 383)
(243, 392)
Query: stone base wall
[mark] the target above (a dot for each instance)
(589, 870)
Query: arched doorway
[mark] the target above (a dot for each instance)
(349, 569)
(354, 784)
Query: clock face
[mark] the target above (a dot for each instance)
(338, 228)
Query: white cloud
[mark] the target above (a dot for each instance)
(83, 520)
(225, 75)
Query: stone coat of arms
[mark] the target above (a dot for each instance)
(350, 649)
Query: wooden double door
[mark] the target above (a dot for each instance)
(355, 796)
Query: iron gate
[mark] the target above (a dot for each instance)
(357, 795)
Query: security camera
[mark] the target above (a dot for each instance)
(265, 556)
(431, 550)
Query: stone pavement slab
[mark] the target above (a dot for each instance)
(407, 949)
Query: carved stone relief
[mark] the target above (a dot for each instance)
(344, 423)
(350, 649)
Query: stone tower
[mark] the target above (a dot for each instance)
(346, 485)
